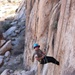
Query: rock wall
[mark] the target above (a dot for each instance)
(51, 23)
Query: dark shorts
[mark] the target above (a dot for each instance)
(44, 60)
(48, 59)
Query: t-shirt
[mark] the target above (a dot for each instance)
(38, 54)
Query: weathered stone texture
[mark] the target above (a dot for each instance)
(51, 23)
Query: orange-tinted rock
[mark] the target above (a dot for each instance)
(51, 23)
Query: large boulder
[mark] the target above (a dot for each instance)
(6, 47)
(6, 72)
(9, 31)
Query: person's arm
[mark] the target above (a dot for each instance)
(39, 58)
(44, 53)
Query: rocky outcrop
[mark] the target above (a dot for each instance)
(11, 49)
(51, 24)
(12, 37)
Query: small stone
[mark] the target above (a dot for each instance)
(7, 59)
(6, 72)
(13, 35)
(13, 23)
(9, 64)
(17, 31)
(5, 63)
(13, 39)
(16, 73)
(17, 62)
(1, 57)
(23, 72)
(7, 54)
(11, 71)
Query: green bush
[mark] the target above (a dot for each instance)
(6, 27)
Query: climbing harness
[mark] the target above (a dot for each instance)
(46, 59)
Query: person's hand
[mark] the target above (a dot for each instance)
(42, 57)
(44, 53)
(37, 59)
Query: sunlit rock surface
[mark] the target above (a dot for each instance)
(51, 23)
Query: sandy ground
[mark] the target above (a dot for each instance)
(8, 9)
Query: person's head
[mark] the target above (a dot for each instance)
(36, 46)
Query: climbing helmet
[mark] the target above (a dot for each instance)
(36, 45)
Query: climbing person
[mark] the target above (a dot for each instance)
(41, 56)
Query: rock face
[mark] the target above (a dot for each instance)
(51, 23)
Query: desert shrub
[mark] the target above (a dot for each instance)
(6, 27)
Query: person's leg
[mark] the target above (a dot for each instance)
(52, 60)
(45, 60)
